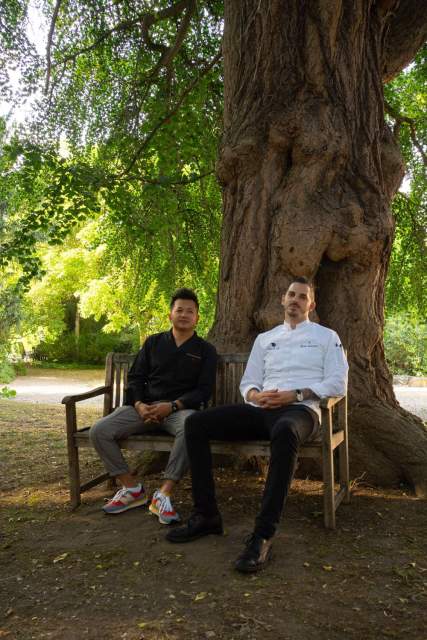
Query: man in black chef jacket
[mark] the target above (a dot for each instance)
(172, 376)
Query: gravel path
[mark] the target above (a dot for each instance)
(49, 386)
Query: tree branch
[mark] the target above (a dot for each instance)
(170, 53)
(49, 44)
(145, 20)
(170, 113)
(167, 182)
(401, 119)
(406, 34)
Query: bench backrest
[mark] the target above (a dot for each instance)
(229, 372)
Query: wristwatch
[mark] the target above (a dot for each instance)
(299, 395)
(174, 407)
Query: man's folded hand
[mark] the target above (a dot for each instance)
(272, 399)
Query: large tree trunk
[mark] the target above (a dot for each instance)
(308, 169)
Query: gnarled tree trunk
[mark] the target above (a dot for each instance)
(308, 168)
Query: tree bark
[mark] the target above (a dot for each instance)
(308, 169)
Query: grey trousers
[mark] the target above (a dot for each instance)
(126, 421)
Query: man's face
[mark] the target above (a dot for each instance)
(298, 302)
(184, 315)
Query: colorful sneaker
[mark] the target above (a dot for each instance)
(126, 499)
(161, 507)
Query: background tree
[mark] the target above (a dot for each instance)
(309, 168)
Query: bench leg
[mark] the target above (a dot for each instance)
(343, 461)
(73, 456)
(328, 472)
(344, 470)
(74, 474)
(328, 491)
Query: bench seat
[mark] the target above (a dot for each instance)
(334, 435)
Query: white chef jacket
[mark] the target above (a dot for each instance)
(307, 357)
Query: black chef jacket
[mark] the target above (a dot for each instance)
(163, 372)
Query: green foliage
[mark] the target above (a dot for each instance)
(407, 278)
(20, 368)
(141, 166)
(10, 309)
(7, 372)
(88, 348)
(42, 197)
(405, 344)
(7, 393)
(140, 107)
(67, 270)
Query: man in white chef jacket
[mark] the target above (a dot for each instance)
(289, 369)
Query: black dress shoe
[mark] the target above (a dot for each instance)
(256, 554)
(196, 527)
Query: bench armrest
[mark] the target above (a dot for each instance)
(328, 403)
(99, 391)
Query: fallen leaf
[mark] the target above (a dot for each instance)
(327, 567)
(61, 557)
(200, 596)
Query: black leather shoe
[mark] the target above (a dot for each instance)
(196, 527)
(256, 554)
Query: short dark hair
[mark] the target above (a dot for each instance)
(304, 280)
(184, 294)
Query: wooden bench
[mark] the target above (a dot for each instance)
(229, 372)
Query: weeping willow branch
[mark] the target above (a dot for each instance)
(411, 122)
(170, 113)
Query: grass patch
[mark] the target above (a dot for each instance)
(33, 448)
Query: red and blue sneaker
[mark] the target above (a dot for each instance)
(126, 499)
(161, 506)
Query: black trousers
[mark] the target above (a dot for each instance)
(286, 428)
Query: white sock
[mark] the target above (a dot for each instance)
(136, 489)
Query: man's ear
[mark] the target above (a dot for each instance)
(312, 305)
(282, 302)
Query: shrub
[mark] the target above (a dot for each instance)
(5, 392)
(91, 348)
(405, 344)
(20, 368)
(7, 372)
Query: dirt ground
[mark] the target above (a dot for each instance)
(84, 575)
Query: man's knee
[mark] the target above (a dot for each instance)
(183, 416)
(285, 429)
(193, 424)
(100, 430)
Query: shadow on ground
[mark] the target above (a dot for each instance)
(73, 575)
